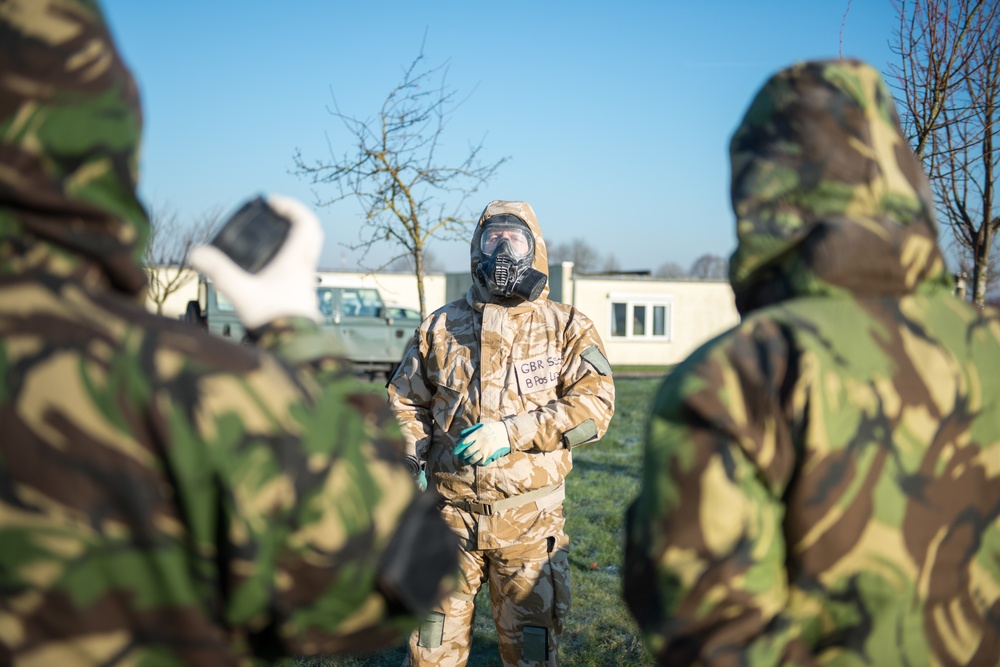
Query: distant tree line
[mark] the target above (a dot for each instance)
(587, 259)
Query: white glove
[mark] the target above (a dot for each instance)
(482, 444)
(286, 286)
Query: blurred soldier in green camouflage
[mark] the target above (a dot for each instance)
(166, 497)
(493, 393)
(822, 483)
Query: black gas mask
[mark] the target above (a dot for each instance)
(507, 249)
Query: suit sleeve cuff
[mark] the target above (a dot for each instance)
(521, 429)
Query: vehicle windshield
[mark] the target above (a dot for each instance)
(222, 303)
(403, 313)
(354, 301)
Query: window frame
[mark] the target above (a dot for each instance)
(650, 302)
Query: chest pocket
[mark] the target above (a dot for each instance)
(453, 379)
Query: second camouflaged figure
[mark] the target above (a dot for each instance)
(168, 497)
(822, 482)
(493, 394)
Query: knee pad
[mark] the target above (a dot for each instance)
(534, 643)
(431, 630)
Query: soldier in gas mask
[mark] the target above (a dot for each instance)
(494, 392)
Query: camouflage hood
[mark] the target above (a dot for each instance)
(479, 294)
(828, 202)
(70, 124)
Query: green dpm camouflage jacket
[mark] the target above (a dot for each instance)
(822, 483)
(166, 497)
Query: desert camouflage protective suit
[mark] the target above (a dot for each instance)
(540, 367)
(166, 497)
(822, 483)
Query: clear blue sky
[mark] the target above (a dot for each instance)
(616, 115)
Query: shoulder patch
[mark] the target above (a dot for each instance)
(596, 358)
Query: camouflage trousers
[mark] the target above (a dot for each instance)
(530, 593)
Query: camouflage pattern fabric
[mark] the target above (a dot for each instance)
(529, 586)
(167, 497)
(525, 363)
(70, 125)
(821, 482)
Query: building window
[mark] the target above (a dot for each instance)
(659, 320)
(619, 315)
(641, 317)
(638, 320)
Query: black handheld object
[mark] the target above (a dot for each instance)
(413, 466)
(253, 235)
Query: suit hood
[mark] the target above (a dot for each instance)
(828, 196)
(70, 125)
(478, 293)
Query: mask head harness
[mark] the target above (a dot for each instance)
(506, 251)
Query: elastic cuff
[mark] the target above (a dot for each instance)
(522, 430)
(280, 329)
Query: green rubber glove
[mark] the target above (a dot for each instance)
(482, 444)
(422, 481)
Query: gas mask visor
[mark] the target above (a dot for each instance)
(520, 244)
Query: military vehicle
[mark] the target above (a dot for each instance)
(372, 335)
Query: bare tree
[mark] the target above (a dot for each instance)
(408, 192)
(948, 88)
(610, 264)
(405, 263)
(585, 258)
(170, 244)
(966, 268)
(843, 22)
(670, 270)
(709, 266)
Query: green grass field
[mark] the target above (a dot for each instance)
(599, 631)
